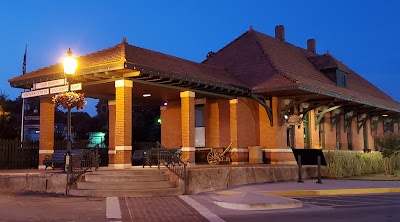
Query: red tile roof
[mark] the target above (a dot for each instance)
(124, 52)
(267, 64)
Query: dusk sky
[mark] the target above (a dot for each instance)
(364, 34)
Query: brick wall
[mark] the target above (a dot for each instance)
(171, 131)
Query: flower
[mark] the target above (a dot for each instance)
(69, 100)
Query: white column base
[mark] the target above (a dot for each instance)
(42, 167)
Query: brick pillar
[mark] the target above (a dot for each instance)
(171, 130)
(273, 138)
(188, 126)
(217, 123)
(46, 135)
(123, 124)
(330, 133)
(314, 131)
(244, 128)
(111, 131)
(357, 136)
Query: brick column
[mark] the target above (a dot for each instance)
(244, 128)
(188, 126)
(46, 134)
(111, 131)
(123, 124)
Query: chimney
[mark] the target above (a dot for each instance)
(280, 32)
(311, 46)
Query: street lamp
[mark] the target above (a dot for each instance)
(70, 65)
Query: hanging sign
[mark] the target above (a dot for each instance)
(48, 84)
(34, 93)
(294, 120)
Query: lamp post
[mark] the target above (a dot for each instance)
(70, 65)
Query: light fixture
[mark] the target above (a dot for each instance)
(70, 63)
(286, 116)
(146, 95)
(385, 115)
(165, 103)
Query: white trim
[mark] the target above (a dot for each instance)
(238, 163)
(113, 210)
(239, 150)
(120, 165)
(112, 151)
(123, 147)
(204, 211)
(46, 151)
(283, 162)
(188, 149)
(233, 101)
(111, 102)
(42, 167)
(123, 83)
(187, 94)
(278, 150)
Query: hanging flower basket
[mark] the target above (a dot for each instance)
(69, 100)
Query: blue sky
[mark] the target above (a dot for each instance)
(363, 34)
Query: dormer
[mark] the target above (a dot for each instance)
(328, 65)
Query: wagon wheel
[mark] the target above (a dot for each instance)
(212, 158)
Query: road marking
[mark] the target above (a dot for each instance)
(201, 209)
(113, 210)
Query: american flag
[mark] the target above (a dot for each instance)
(24, 63)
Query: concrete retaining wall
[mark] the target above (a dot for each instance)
(36, 182)
(210, 179)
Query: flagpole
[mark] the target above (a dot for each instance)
(23, 100)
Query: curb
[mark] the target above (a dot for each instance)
(259, 206)
(302, 193)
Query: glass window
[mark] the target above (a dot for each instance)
(199, 118)
(340, 79)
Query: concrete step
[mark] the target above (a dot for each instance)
(126, 172)
(126, 193)
(125, 185)
(124, 178)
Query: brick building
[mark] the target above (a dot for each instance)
(257, 91)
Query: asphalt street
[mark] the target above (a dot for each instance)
(194, 208)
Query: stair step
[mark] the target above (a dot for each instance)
(126, 185)
(126, 193)
(126, 172)
(124, 178)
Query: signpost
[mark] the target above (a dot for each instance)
(50, 87)
(309, 157)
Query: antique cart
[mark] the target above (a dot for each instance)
(216, 156)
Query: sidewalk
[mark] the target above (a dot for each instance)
(277, 195)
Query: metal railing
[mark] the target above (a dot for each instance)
(170, 158)
(79, 162)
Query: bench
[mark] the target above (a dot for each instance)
(56, 160)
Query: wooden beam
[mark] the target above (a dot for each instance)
(320, 115)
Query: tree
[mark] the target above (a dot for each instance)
(10, 117)
(389, 146)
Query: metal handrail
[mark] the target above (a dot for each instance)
(79, 163)
(173, 162)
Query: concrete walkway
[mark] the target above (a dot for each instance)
(278, 195)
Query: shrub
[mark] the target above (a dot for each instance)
(389, 146)
(341, 164)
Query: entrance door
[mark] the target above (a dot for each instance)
(199, 132)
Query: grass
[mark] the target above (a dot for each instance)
(378, 177)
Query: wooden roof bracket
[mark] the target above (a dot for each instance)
(336, 119)
(293, 102)
(361, 122)
(320, 115)
(349, 119)
(374, 123)
(262, 101)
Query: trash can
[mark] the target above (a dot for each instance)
(255, 155)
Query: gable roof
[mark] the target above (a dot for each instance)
(124, 53)
(267, 64)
